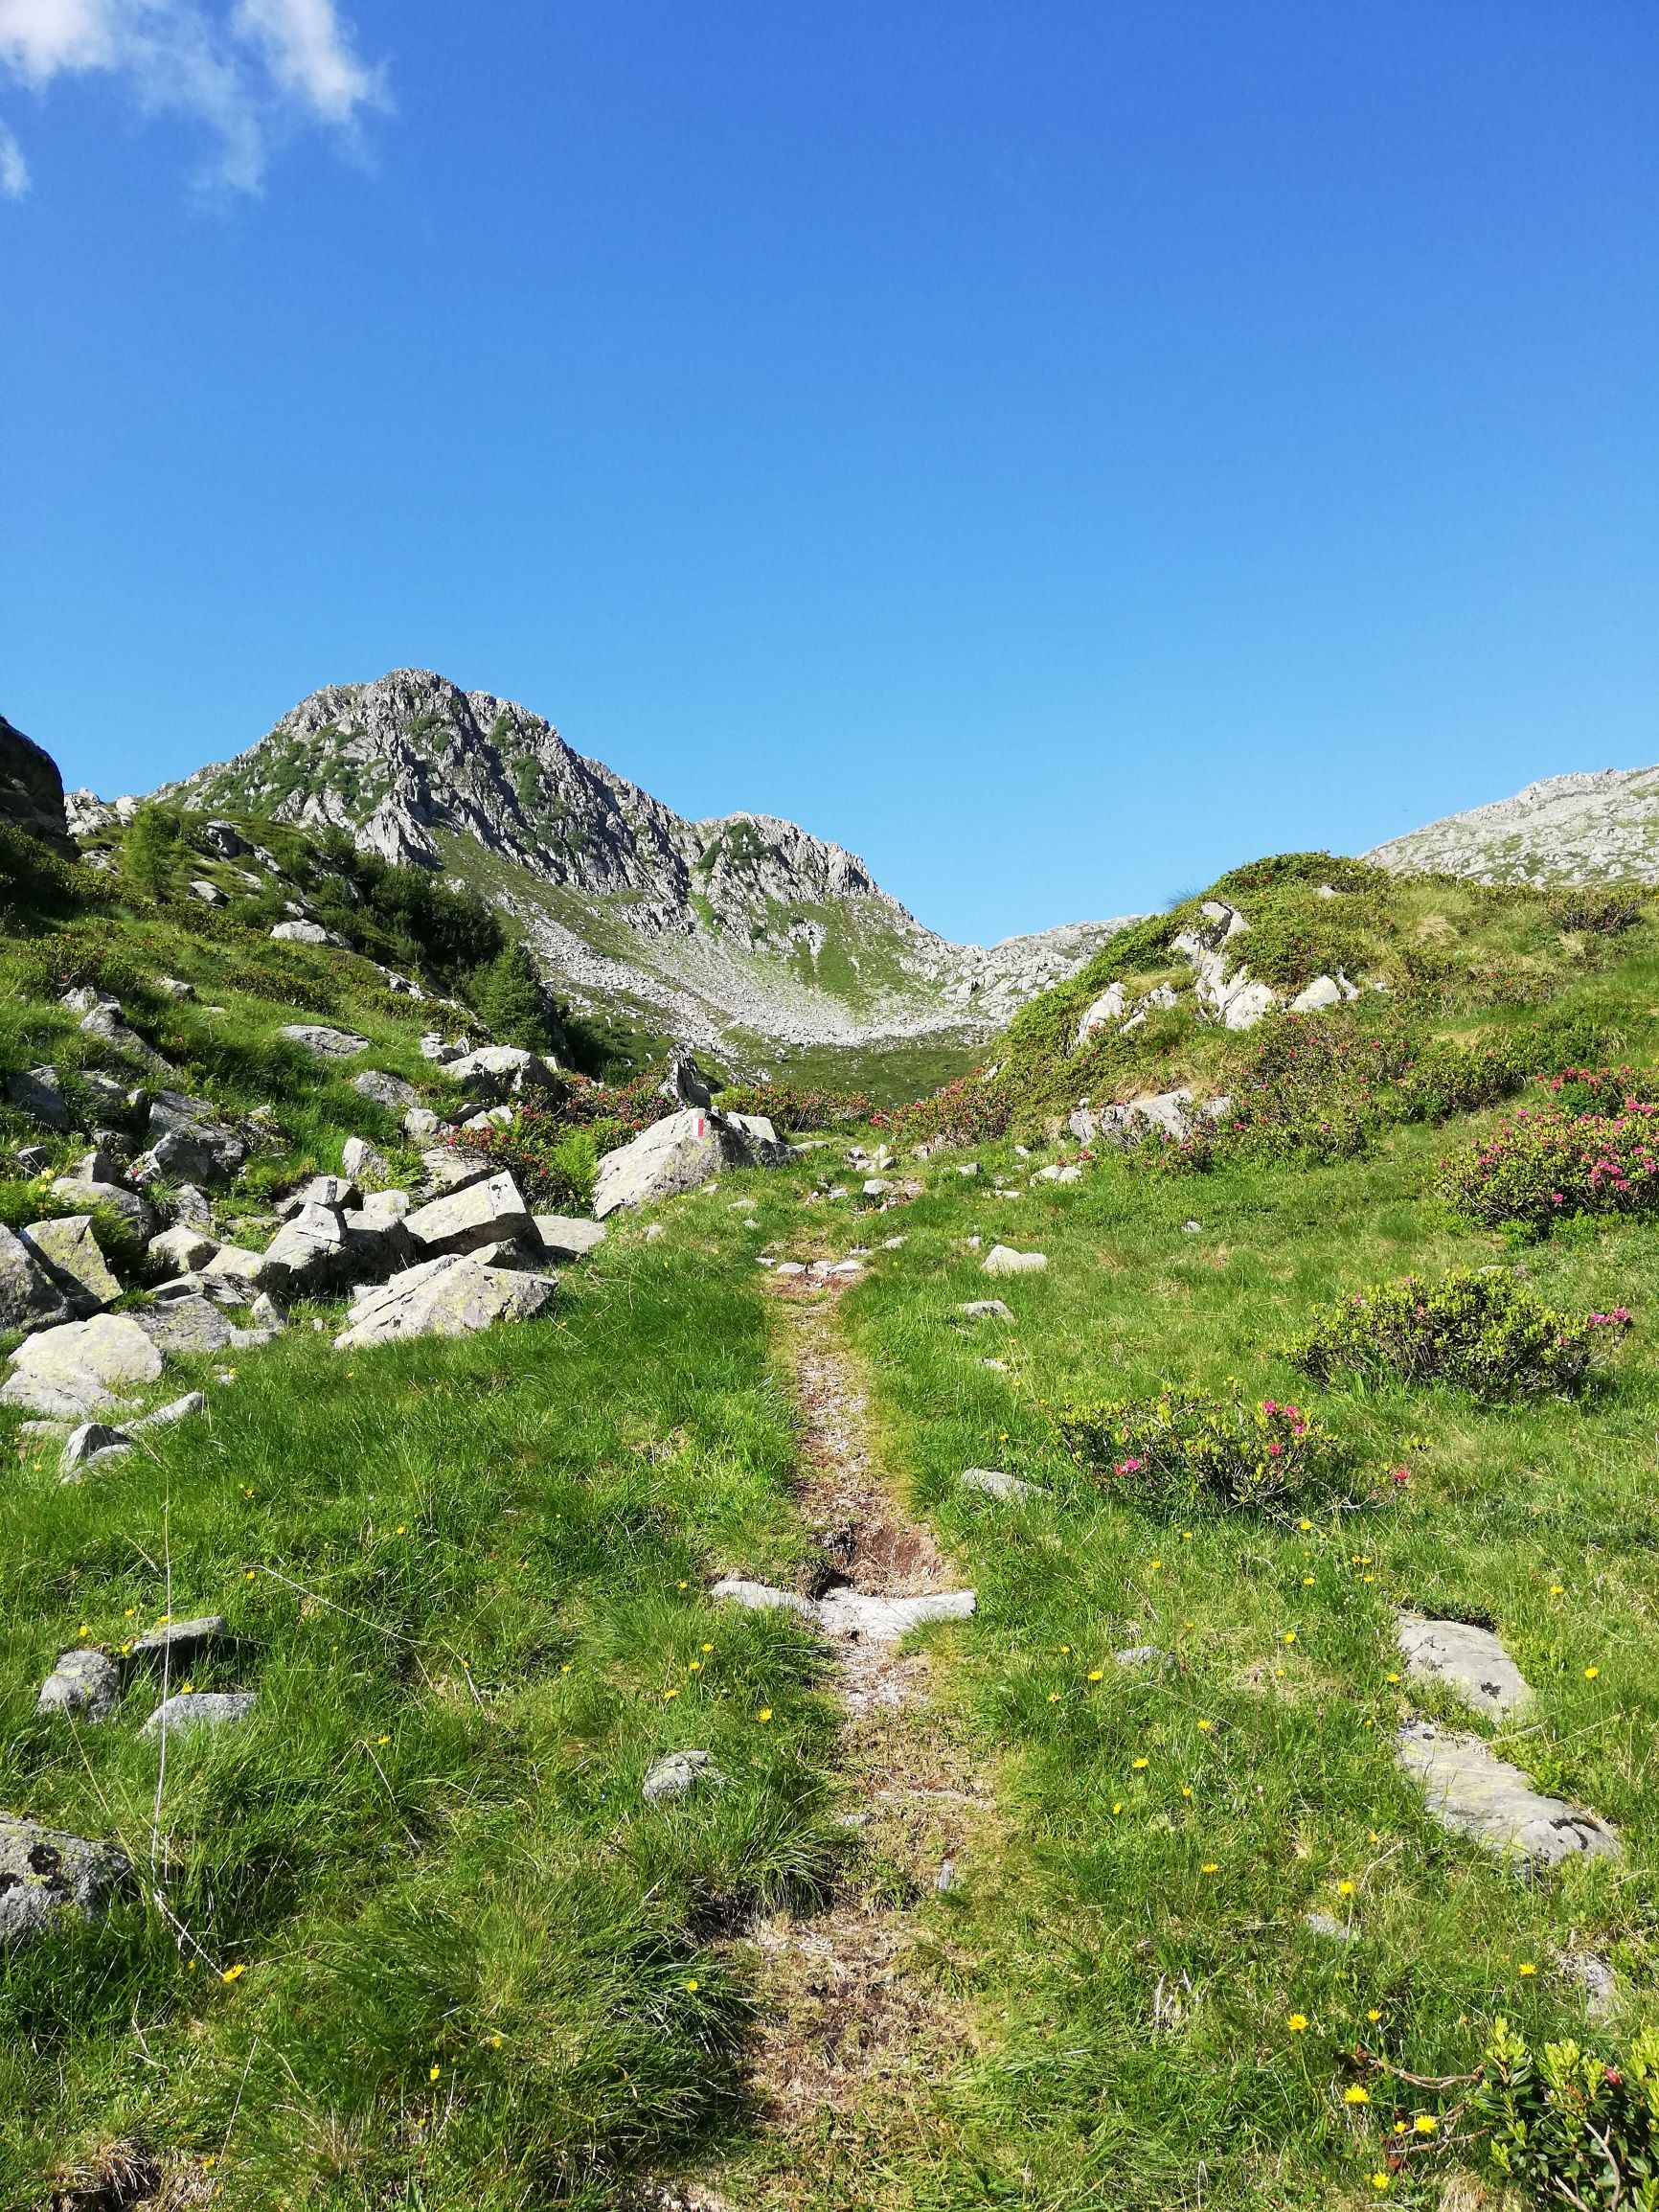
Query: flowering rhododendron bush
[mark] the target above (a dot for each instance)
(1188, 1449)
(1483, 1332)
(1542, 1163)
(974, 1109)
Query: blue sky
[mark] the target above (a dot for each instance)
(1057, 449)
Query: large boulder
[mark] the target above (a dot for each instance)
(39, 1094)
(76, 1370)
(315, 1251)
(31, 788)
(387, 1090)
(45, 1872)
(497, 1072)
(68, 1252)
(238, 1270)
(492, 1212)
(28, 1298)
(178, 1326)
(679, 1152)
(453, 1295)
(87, 1193)
(309, 933)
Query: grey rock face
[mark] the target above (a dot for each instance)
(192, 1140)
(680, 1152)
(1467, 1787)
(28, 1298)
(1175, 1113)
(68, 1252)
(1004, 1259)
(684, 1083)
(44, 1871)
(318, 1038)
(31, 788)
(382, 1211)
(453, 1295)
(565, 1238)
(452, 1167)
(420, 1125)
(39, 1095)
(677, 1773)
(233, 1266)
(1471, 1661)
(1584, 828)
(76, 1370)
(363, 1163)
(388, 1090)
(200, 1709)
(84, 1683)
(486, 1213)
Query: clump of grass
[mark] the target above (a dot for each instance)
(1481, 1332)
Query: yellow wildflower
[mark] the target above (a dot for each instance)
(1297, 2023)
(1356, 2095)
(1426, 2123)
(233, 1974)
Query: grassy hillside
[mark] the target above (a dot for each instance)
(411, 1935)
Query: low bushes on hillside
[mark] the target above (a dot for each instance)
(1484, 1332)
(552, 1152)
(1188, 1449)
(1542, 1164)
(1564, 2125)
(798, 1105)
(973, 1110)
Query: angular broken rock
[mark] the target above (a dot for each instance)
(231, 1265)
(452, 1167)
(180, 1251)
(192, 1140)
(421, 1124)
(387, 1090)
(92, 1441)
(1467, 1787)
(1471, 1659)
(68, 1252)
(28, 1298)
(363, 1163)
(1004, 1259)
(76, 1370)
(176, 1409)
(39, 1094)
(43, 1871)
(452, 1295)
(317, 1036)
(307, 933)
(986, 1309)
(486, 1213)
(200, 1709)
(76, 1191)
(681, 1153)
(84, 1682)
(565, 1238)
(180, 1326)
(106, 1023)
(995, 1484)
(677, 1772)
(381, 1211)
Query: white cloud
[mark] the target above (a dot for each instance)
(13, 169)
(247, 72)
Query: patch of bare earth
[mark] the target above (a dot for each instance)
(858, 2009)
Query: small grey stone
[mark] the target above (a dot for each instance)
(114, 1198)
(565, 1238)
(39, 1094)
(200, 1709)
(84, 1682)
(453, 1295)
(1142, 1655)
(1471, 1659)
(363, 1163)
(174, 987)
(945, 1879)
(304, 932)
(107, 1025)
(317, 1036)
(1004, 1259)
(89, 1442)
(75, 1369)
(677, 1773)
(995, 1484)
(986, 1309)
(453, 1166)
(420, 1125)
(43, 1871)
(489, 1212)
(176, 1409)
(208, 892)
(387, 1090)
(180, 1251)
(1597, 1980)
(34, 1159)
(264, 1314)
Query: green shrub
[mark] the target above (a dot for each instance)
(1567, 2127)
(1481, 1332)
(1186, 1450)
(552, 1163)
(1596, 913)
(1540, 1165)
(1282, 869)
(796, 1105)
(972, 1111)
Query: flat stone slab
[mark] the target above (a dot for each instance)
(200, 1709)
(762, 1597)
(85, 1683)
(454, 1295)
(74, 1371)
(180, 1642)
(565, 1237)
(884, 1620)
(677, 1773)
(1471, 1659)
(45, 1871)
(318, 1038)
(178, 1326)
(176, 1409)
(995, 1484)
(1004, 1259)
(1467, 1787)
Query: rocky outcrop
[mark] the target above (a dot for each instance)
(679, 1152)
(454, 1295)
(31, 788)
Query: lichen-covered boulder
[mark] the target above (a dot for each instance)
(44, 1871)
(497, 1072)
(454, 1295)
(76, 1370)
(28, 1298)
(679, 1152)
(68, 1251)
(491, 1212)
(318, 1038)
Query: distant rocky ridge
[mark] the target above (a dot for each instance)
(739, 929)
(1584, 828)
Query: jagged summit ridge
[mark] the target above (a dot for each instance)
(1587, 827)
(743, 923)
